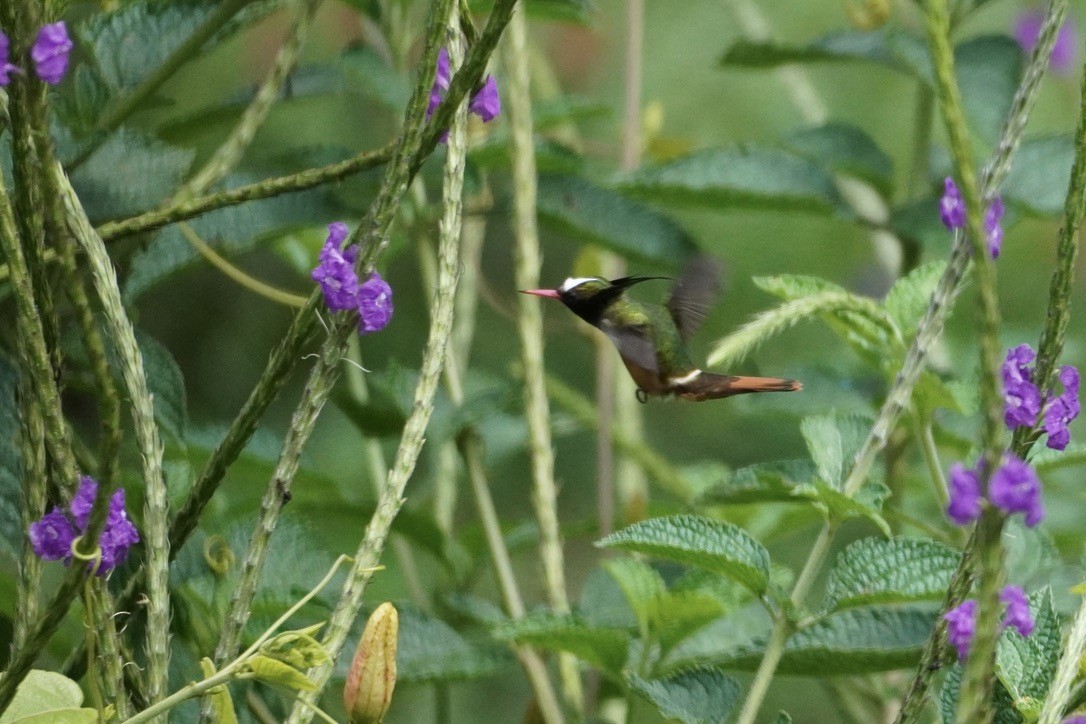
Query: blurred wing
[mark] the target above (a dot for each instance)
(694, 293)
(634, 343)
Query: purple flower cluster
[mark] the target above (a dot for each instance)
(50, 54)
(53, 535)
(1013, 488)
(1022, 397)
(962, 620)
(485, 103)
(952, 213)
(342, 291)
(1027, 29)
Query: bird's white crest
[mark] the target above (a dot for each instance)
(573, 282)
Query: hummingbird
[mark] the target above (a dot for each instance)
(651, 338)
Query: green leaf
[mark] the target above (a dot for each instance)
(221, 702)
(890, 47)
(372, 73)
(46, 696)
(130, 173)
(166, 384)
(279, 673)
(839, 507)
(642, 586)
(747, 176)
(1026, 665)
(603, 603)
(988, 69)
(12, 533)
(590, 213)
(1039, 177)
(918, 221)
(772, 482)
(682, 613)
(429, 650)
(698, 541)
(852, 642)
(833, 441)
(602, 647)
(899, 570)
(701, 695)
(908, 298)
(552, 158)
(568, 11)
(846, 149)
(1001, 700)
(297, 649)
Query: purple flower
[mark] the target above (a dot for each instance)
(52, 536)
(1017, 615)
(1027, 29)
(335, 271)
(1015, 488)
(965, 495)
(6, 68)
(374, 304)
(1076, 719)
(50, 52)
(441, 82)
(1021, 398)
(961, 622)
(1062, 410)
(992, 217)
(486, 103)
(951, 208)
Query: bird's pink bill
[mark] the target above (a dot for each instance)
(549, 293)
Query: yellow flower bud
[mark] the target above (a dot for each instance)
(368, 692)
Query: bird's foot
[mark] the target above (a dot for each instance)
(641, 395)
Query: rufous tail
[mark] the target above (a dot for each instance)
(709, 386)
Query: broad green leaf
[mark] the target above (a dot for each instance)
(1026, 665)
(845, 149)
(12, 531)
(279, 673)
(899, 570)
(682, 613)
(603, 647)
(748, 176)
(910, 295)
(130, 173)
(852, 642)
(1046, 460)
(698, 541)
(701, 695)
(1002, 703)
(642, 586)
(761, 483)
(890, 47)
(918, 221)
(372, 73)
(988, 69)
(80, 102)
(430, 650)
(833, 441)
(796, 286)
(839, 507)
(46, 696)
(603, 603)
(231, 231)
(591, 213)
(552, 158)
(1038, 179)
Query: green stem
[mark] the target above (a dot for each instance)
(923, 434)
(33, 494)
(129, 104)
(527, 261)
(156, 511)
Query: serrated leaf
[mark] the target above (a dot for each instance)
(278, 673)
(701, 695)
(166, 384)
(642, 586)
(128, 174)
(46, 696)
(749, 176)
(833, 441)
(853, 642)
(1026, 665)
(838, 507)
(603, 604)
(1002, 704)
(910, 295)
(771, 482)
(899, 570)
(988, 69)
(429, 650)
(591, 213)
(888, 46)
(12, 531)
(1037, 182)
(698, 541)
(846, 149)
(682, 613)
(602, 647)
